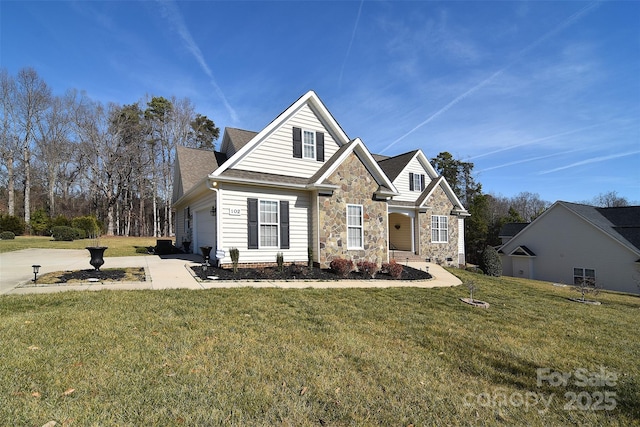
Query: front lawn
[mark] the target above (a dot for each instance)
(247, 356)
(118, 245)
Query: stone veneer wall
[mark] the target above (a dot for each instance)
(356, 186)
(440, 205)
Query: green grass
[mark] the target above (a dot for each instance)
(118, 246)
(313, 357)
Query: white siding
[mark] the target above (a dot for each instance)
(234, 227)
(402, 181)
(461, 253)
(203, 225)
(180, 232)
(275, 154)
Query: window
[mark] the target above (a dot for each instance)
(354, 227)
(416, 181)
(439, 229)
(187, 219)
(584, 276)
(268, 223)
(308, 144)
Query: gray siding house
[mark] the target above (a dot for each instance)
(571, 242)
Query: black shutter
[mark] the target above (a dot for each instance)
(252, 223)
(410, 181)
(320, 146)
(284, 224)
(422, 182)
(297, 143)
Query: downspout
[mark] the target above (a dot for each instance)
(213, 186)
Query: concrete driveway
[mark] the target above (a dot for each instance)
(166, 272)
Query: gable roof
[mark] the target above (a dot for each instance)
(522, 250)
(510, 229)
(458, 209)
(393, 166)
(313, 101)
(194, 164)
(358, 148)
(622, 224)
(234, 139)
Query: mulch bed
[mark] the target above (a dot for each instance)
(299, 272)
(131, 274)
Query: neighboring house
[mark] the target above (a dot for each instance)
(570, 243)
(510, 229)
(301, 183)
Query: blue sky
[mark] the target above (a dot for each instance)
(542, 96)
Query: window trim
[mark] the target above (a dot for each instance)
(439, 229)
(276, 223)
(417, 186)
(350, 226)
(583, 277)
(305, 145)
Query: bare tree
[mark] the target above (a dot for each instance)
(32, 100)
(528, 205)
(609, 200)
(54, 143)
(9, 141)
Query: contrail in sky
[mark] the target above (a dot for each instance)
(533, 141)
(589, 161)
(569, 21)
(530, 159)
(171, 12)
(353, 36)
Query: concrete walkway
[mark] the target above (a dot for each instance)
(166, 272)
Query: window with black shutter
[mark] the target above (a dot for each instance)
(297, 143)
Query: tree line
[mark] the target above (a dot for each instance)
(66, 156)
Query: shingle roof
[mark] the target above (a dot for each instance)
(623, 224)
(392, 166)
(262, 177)
(239, 137)
(196, 164)
(510, 229)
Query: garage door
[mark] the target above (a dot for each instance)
(204, 230)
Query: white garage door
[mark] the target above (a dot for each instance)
(204, 230)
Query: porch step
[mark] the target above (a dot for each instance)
(401, 256)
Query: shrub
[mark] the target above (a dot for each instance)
(341, 266)
(12, 223)
(62, 233)
(474, 269)
(40, 222)
(60, 220)
(309, 257)
(79, 233)
(368, 268)
(7, 235)
(280, 261)
(393, 269)
(87, 223)
(235, 257)
(490, 262)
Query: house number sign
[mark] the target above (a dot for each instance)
(234, 211)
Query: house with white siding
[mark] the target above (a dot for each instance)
(301, 186)
(571, 243)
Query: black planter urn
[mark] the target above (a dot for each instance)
(97, 256)
(206, 253)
